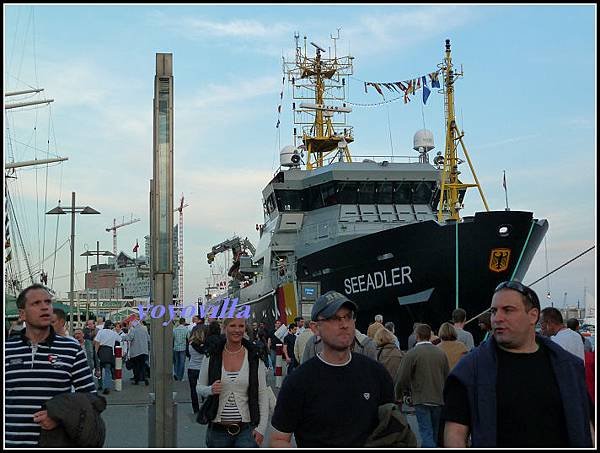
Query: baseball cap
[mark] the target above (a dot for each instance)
(329, 303)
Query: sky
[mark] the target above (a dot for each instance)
(527, 105)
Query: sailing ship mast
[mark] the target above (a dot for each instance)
(13, 274)
(452, 191)
(318, 79)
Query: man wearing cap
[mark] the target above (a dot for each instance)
(332, 400)
(518, 389)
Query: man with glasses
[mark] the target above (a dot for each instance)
(332, 400)
(517, 389)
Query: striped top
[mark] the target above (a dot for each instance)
(231, 413)
(33, 375)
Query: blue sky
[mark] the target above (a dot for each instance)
(526, 103)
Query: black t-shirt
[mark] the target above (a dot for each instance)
(529, 409)
(290, 341)
(333, 406)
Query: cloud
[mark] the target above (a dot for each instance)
(202, 28)
(508, 141)
(379, 33)
(237, 91)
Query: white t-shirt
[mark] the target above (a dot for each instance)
(570, 341)
(107, 337)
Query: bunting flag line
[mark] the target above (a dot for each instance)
(280, 101)
(408, 87)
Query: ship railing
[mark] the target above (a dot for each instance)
(380, 159)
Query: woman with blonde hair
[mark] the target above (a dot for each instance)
(234, 382)
(454, 349)
(388, 354)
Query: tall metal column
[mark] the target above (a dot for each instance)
(162, 420)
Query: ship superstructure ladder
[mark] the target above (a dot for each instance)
(450, 204)
(320, 82)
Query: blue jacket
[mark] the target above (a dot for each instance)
(477, 372)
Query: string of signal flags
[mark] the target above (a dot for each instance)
(407, 87)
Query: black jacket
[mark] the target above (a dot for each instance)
(79, 421)
(214, 373)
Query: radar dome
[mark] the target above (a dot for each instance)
(289, 156)
(423, 141)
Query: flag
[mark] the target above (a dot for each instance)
(135, 248)
(504, 180)
(435, 82)
(426, 90)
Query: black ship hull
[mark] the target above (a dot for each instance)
(411, 273)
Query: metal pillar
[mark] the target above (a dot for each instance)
(72, 285)
(162, 420)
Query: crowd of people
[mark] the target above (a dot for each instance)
(341, 388)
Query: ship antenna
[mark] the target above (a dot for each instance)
(452, 190)
(319, 76)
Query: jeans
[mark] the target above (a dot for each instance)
(179, 364)
(107, 376)
(428, 418)
(222, 439)
(193, 379)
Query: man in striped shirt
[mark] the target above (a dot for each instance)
(39, 364)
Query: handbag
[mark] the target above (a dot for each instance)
(129, 364)
(208, 410)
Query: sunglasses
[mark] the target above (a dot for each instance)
(521, 288)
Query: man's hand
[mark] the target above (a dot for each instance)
(44, 421)
(258, 437)
(216, 387)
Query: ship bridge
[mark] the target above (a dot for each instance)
(365, 191)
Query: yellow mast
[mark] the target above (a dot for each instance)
(321, 137)
(451, 186)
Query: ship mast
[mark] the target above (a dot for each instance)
(316, 79)
(452, 190)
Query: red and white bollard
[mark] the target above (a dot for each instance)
(118, 368)
(278, 365)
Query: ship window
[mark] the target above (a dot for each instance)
(402, 192)
(423, 192)
(289, 200)
(384, 192)
(347, 192)
(366, 193)
(271, 204)
(328, 193)
(316, 201)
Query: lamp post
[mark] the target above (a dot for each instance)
(73, 209)
(98, 252)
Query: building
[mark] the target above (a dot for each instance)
(125, 277)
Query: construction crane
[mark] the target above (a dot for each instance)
(114, 230)
(180, 250)
(239, 247)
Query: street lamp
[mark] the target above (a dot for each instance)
(73, 209)
(98, 252)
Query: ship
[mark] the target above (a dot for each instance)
(388, 235)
